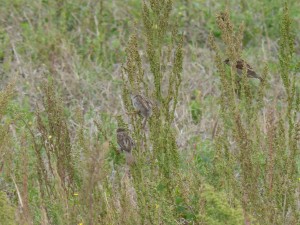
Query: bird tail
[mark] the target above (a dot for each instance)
(259, 77)
(255, 75)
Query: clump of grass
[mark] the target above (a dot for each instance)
(7, 210)
(54, 139)
(247, 158)
(53, 157)
(196, 107)
(6, 159)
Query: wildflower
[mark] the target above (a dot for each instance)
(156, 206)
(49, 137)
(75, 194)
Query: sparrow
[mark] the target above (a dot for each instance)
(124, 140)
(142, 105)
(239, 67)
(126, 144)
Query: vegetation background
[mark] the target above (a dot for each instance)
(215, 151)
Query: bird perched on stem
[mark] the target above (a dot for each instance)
(126, 144)
(142, 105)
(124, 140)
(240, 67)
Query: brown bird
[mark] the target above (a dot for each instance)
(126, 144)
(124, 140)
(142, 106)
(239, 67)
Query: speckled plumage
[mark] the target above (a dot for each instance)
(239, 67)
(124, 140)
(142, 105)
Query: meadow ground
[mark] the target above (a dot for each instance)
(218, 149)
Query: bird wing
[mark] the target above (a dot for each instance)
(144, 102)
(240, 65)
(250, 71)
(125, 141)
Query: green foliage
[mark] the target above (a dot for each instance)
(162, 141)
(54, 141)
(5, 137)
(246, 165)
(226, 155)
(155, 20)
(195, 107)
(7, 212)
(218, 211)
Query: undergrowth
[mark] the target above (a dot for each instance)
(59, 159)
(258, 165)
